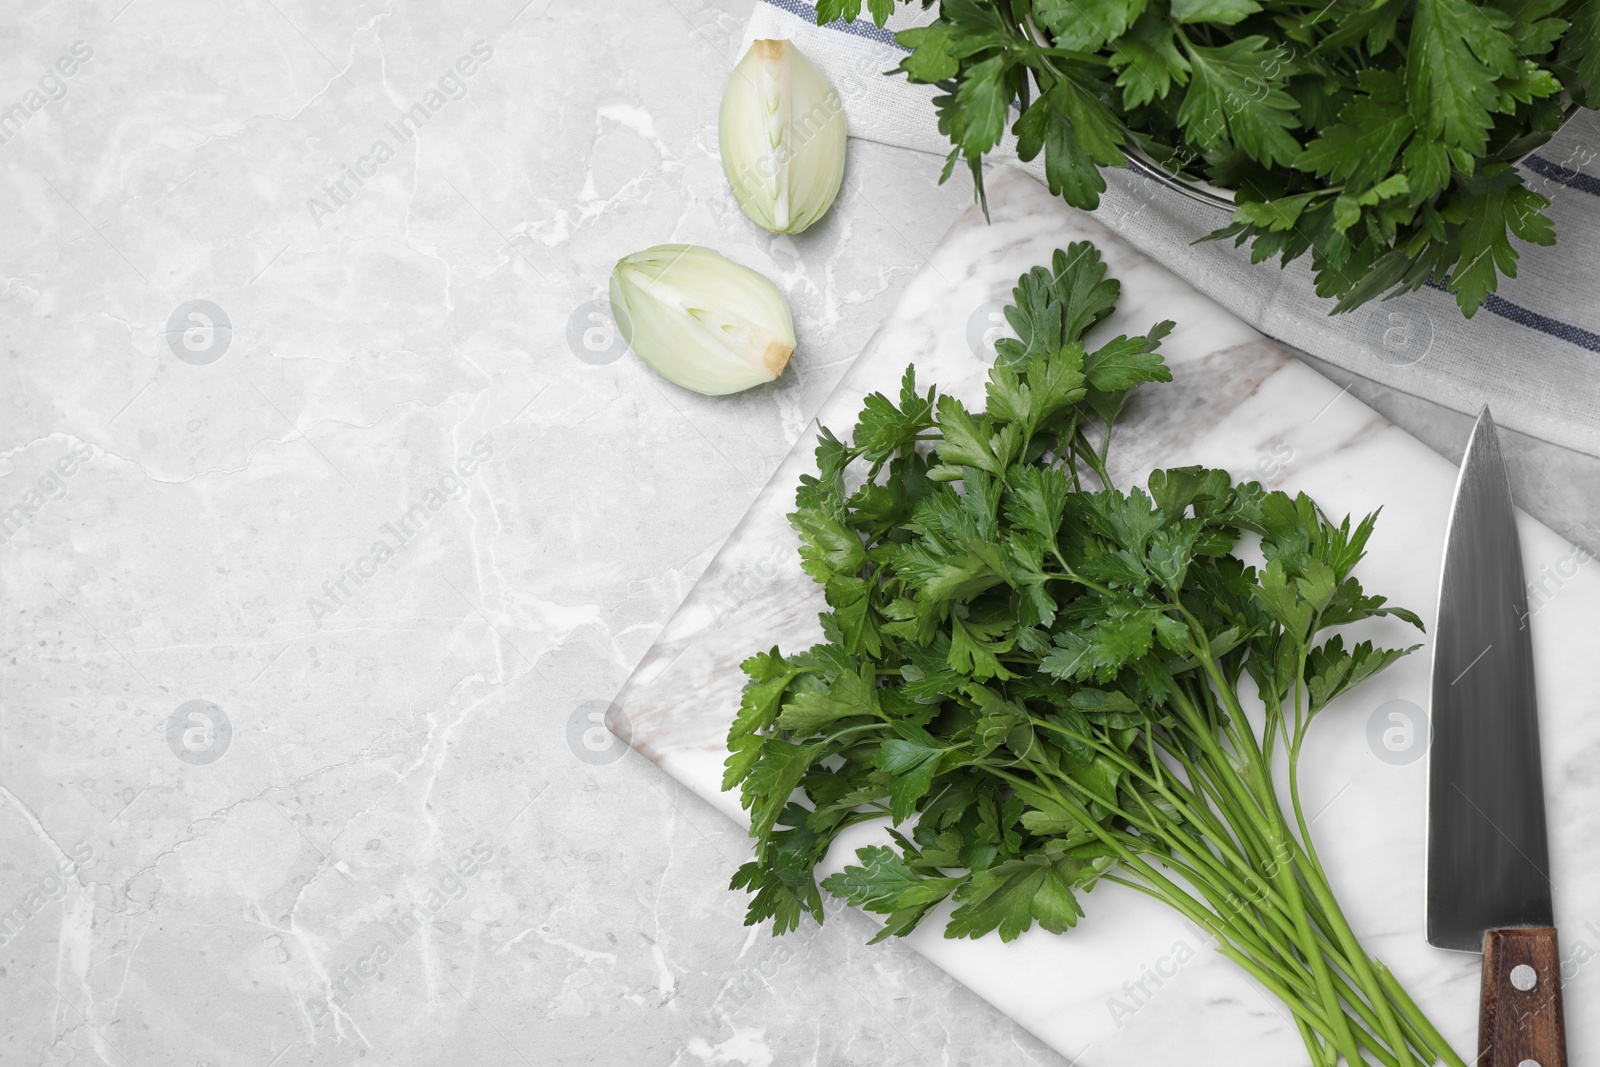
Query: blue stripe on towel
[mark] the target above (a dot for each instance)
(1522, 316)
(1572, 179)
(860, 27)
(1495, 304)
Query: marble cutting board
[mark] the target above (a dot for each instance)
(1133, 984)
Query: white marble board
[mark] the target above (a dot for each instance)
(1133, 984)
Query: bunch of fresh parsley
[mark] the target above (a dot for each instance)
(1378, 135)
(1042, 674)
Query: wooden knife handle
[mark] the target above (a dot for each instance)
(1519, 1013)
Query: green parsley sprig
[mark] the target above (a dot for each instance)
(1377, 135)
(1037, 679)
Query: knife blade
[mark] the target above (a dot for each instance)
(1488, 863)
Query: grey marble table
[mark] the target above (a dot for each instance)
(332, 514)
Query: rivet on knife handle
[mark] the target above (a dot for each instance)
(1519, 1015)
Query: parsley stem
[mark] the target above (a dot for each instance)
(1264, 970)
(1318, 885)
(1281, 840)
(932, 697)
(1085, 451)
(1437, 1045)
(1234, 900)
(1169, 788)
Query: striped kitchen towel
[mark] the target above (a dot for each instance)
(1532, 352)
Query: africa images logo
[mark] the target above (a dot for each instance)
(49, 887)
(451, 85)
(50, 486)
(347, 983)
(402, 530)
(51, 87)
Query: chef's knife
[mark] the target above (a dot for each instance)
(1488, 881)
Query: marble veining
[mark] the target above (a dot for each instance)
(237, 830)
(256, 812)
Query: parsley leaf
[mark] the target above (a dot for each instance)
(1360, 149)
(1580, 53)
(1486, 253)
(1219, 12)
(1457, 50)
(1228, 94)
(1031, 678)
(1350, 131)
(1085, 25)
